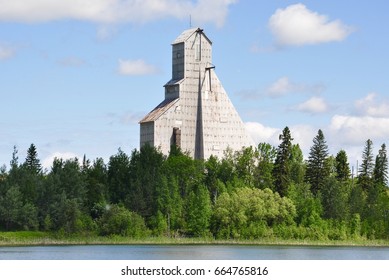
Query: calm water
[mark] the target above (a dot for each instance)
(189, 252)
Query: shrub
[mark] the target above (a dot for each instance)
(117, 220)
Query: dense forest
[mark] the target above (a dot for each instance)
(254, 193)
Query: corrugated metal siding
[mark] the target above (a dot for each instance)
(159, 110)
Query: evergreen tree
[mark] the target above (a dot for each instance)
(27, 176)
(96, 187)
(145, 175)
(15, 159)
(317, 169)
(281, 171)
(10, 207)
(32, 162)
(118, 177)
(366, 170)
(381, 167)
(342, 166)
(375, 214)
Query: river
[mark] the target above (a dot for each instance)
(192, 252)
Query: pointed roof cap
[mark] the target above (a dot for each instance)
(187, 34)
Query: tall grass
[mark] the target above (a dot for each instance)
(33, 238)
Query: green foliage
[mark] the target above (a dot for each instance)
(10, 207)
(297, 165)
(308, 207)
(117, 220)
(198, 213)
(169, 216)
(32, 162)
(248, 213)
(265, 156)
(96, 186)
(118, 177)
(211, 179)
(145, 174)
(365, 176)
(281, 171)
(381, 167)
(334, 196)
(317, 167)
(247, 194)
(245, 165)
(342, 166)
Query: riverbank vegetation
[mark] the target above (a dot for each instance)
(261, 195)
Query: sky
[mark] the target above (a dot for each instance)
(77, 76)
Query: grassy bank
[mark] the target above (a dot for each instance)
(27, 238)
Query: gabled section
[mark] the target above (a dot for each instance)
(163, 107)
(184, 36)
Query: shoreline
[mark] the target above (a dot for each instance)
(14, 239)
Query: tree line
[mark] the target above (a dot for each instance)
(257, 192)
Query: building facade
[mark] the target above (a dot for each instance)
(196, 114)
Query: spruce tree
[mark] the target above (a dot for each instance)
(365, 175)
(317, 169)
(32, 162)
(342, 166)
(381, 167)
(281, 171)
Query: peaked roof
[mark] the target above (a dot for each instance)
(187, 34)
(159, 110)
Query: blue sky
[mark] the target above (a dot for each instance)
(77, 76)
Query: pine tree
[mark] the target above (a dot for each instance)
(366, 170)
(32, 162)
(281, 171)
(381, 167)
(317, 170)
(342, 166)
(15, 159)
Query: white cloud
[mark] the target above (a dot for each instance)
(6, 52)
(284, 86)
(370, 106)
(114, 11)
(297, 25)
(260, 133)
(281, 87)
(135, 67)
(210, 11)
(313, 105)
(301, 134)
(48, 161)
(357, 129)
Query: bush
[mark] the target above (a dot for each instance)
(117, 220)
(251, 213)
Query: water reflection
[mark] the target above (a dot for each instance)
(192, 252)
